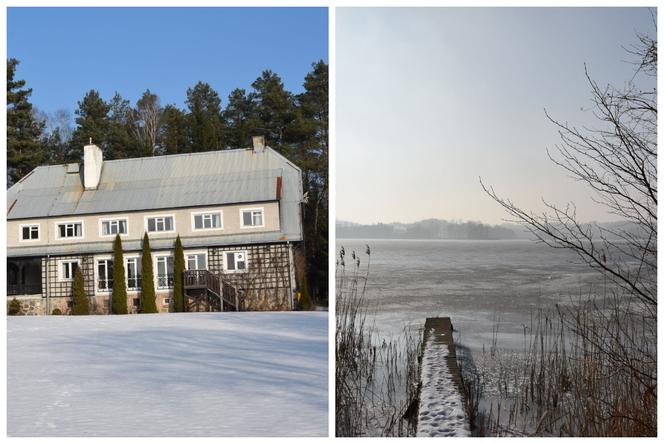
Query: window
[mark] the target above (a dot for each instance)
(252, 217)
(208, 221)
(105, 275)
(67, 270)
(164, 271)
(160, 224)
(167, 301)
(196, 261)
(112, 227)
(29, 232)
(70, 230)
(236, 261)
(133, 273)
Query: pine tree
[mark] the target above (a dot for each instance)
(275, 110)
(93, 122)
(148, 295)
(25, 150)
(81, 305)
(173, 133)
(240, 119)
(119, 296)
(206, 127)
(119, 140)
(178, 270)
(312, 156)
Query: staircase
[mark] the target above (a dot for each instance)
(207, 291)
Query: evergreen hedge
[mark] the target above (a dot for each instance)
(119, 296)
(81, 305)
(14, 307)
(148, 295)
(305, 300)
(178, 270)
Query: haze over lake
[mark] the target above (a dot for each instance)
(479, 284)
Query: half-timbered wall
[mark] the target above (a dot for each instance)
(266, 283)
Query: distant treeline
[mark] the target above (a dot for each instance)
(443, 229)
(429, 229)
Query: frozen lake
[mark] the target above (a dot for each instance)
(479, 284)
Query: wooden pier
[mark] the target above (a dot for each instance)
(440, 330)
(441, 409)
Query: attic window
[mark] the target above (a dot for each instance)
(111, 227)
(29, 232)
(159, 224)
(70, 230)
(251, 217)
(207, 221)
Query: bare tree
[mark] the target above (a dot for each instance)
(618, 161)
(610, 373)
(148, 117)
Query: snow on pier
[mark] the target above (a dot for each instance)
(441, 411)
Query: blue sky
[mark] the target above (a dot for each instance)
(64, 52)
(431, 99)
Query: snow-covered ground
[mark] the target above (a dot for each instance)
(441, 407)
(184, 374)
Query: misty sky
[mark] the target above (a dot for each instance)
(429, 100)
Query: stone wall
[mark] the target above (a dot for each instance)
(99, 305)
(30, 305)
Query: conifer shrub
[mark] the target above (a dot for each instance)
(56, 311)
(305, 299)
(81, 305)
(119, 296)
(178, 284)
(14, 307)
(148, 302)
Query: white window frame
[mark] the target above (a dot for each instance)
(157, 216)
(126, 260)
(20, 232)
(97, 260)
(192, 253)
(155, 270)
(113, 219)
(246, 261)
(203, 213)
(61, 277)
(244, 210)
(68, 222)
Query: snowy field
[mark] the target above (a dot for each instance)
(184, 374)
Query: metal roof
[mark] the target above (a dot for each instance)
(161, 182)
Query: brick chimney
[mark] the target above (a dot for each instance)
(92, 162)
(258, 143)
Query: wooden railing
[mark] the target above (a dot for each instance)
(214, 283)
(202, 279)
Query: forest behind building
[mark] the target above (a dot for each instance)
(295, 125)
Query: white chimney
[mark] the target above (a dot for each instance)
(258, 143)
(92, 161)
